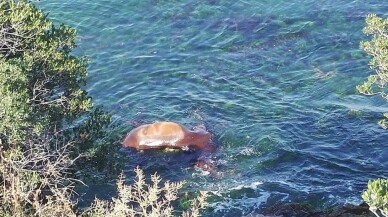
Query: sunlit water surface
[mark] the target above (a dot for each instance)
(274, 81)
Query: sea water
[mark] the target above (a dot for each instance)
(273, 81)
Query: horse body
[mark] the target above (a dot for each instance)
(172, 135)
(167, 135)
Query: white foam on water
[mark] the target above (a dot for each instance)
(253, 186)
(245, 204)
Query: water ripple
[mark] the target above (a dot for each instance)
(273, 81)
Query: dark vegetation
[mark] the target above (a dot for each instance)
(48, 126)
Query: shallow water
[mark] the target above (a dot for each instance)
(274, 81)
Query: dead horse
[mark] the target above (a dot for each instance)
(172, 135)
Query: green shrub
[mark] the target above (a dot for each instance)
(377, 48)
(41, 83)
(47, 121)
(376, 196)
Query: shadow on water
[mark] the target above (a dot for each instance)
(170, 164)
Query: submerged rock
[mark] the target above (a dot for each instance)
(301, 210)
(351, 210)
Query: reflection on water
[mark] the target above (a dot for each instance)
(273, 81)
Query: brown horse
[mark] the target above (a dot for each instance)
(172, 135)
(167, 135)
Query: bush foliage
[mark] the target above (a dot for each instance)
(377, 48)
(376, 196)
(41, 83)
(46, 118)
(142, 199)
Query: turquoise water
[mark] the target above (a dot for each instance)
(274, 81)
